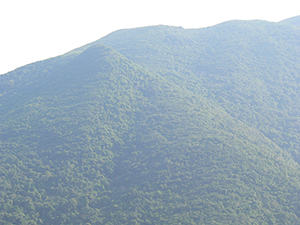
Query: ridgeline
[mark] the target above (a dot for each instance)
(157, 125)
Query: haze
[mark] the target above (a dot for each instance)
(34, 30)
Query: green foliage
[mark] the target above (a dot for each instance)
(164, 126)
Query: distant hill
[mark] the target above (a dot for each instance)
(157, 125)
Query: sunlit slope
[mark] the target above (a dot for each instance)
(57, 143)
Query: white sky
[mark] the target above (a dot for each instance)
(32, 30)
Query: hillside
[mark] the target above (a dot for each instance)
(156, 125)
(250, 68)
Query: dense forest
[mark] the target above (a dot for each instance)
(157, 125)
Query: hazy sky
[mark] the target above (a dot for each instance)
(33, 30)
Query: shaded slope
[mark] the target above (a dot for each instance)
(192, 163)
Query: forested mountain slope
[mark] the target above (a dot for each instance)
(250, 68)
(156, 125)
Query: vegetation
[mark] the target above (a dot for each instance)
(156, 125)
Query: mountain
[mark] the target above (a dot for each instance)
(295, 21)
(156, 125)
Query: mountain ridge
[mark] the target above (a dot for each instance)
(295, 21)
(156, 125)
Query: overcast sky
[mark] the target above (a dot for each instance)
(33, 30)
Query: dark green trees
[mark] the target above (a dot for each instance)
(164, 126)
